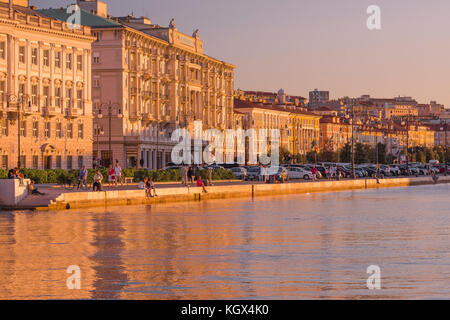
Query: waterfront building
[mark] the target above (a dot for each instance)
(45, 90)
(304, 131)
(149, 80)
(335, 132)
(299, 129)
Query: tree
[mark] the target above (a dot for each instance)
(328, 154)
(346, 153)
(382, 154)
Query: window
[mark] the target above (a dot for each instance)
(5, 162)
(58, 98)
(22, 54)
(35, 129)
(34, 94)
(35, 162)
(58, 162)
(80, 62)
(69, 163)
(80, 131)
(4, 125)
(79, 99)
(59, 130)
(23, 128)
(58, 59)
(80, 161)
(69, 61)
(69, 97)
(96, 34)
(2, 90)
(2, 50)
(21, 91)
(96, 58)
(47, 130)
(34, 56)
(96, 83)
(70, 130)
(46, 91)
(23, 161)
(46, 58)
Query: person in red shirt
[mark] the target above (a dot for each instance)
(201, 184)
(314, 172)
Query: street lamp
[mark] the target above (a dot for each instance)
(407, 143)
(444, 127)
(353, 145)
(13, 99)
(109, 107)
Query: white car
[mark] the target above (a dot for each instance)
(299, 173)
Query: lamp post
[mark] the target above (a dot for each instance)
(12, 99)
(353, 145)
(444, 127)
(109, 107)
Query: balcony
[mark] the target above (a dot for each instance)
(73, 112)
(148, 118)
(146, 94)
(135, 116)
(165, 119)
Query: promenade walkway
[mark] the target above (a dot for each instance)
(52, 192)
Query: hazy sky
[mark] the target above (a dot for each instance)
(300, 45)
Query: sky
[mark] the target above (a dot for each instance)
(300, 45)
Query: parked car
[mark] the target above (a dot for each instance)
(239, 172)
(252, 173)
(299, 173)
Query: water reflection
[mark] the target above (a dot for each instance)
(292, 247)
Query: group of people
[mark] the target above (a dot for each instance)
(16, 174)
(114, 178)
(115, 175)
(149, 187)
(189, 174)
(264, 174)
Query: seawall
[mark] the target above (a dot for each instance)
(75, 200)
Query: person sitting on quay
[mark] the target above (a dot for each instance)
(143, 184)
(98, 178)
(33, 190)
(150, 188)
(12, 173)
(82, 178)
(201, 184)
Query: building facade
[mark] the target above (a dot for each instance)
(148, 81)
(45, 90)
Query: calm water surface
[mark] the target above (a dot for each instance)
(289, 247)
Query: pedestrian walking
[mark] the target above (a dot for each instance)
(314, 173)
(190, 175)
(183, 175)
(118, 171)
(111, 176)
(82, 178)
(210, 173)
